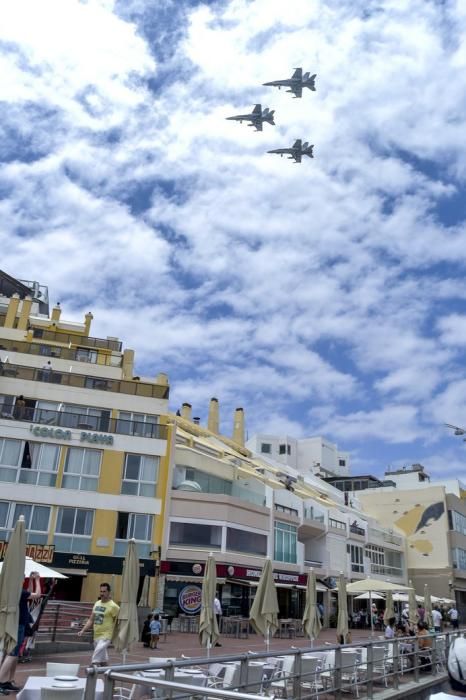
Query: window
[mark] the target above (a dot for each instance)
(285, 536)
(459, 558)
(342, 462)
(137, 526)
(74, 530)
(85, 355)
(282, 449)
(10, 458)
(140, 475)
(246, 541)
(140, 424)
(82, 469)
(337, 524)
(357, 557)
(288, 449)
(376, 554)
(36, 520)
(457, 521)
(196, 535)
(285, 509)
(266, 448)
(28, 462)
(84, 417)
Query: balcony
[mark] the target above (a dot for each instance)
(102, 424)
(71, 338)
(78, 355)
(81, 381)
(356, 530)
(311, 513)
(384, 570)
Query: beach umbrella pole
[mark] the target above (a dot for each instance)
(267, 638)
(371, 613)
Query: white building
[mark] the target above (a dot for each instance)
(313, 455)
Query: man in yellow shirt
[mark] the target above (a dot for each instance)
(103, 619)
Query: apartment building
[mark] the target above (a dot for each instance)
(84, 443)
(432, 516)
(243, 507)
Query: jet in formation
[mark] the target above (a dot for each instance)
(296, 83)
(257, 117)
(296, 151)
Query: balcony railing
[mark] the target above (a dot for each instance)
(384, 570)
(85, 340)
(82, 421)
(311, 513)
(81, 381)
(57, 351)
(356, 530)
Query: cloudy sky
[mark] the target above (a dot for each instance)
(326, 297)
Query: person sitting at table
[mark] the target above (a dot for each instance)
(10, 661)
(390, 629)
(425, 647)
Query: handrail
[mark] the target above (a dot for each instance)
(57, 351)
(88, 341)
(365, 668)
(83, 421)
(83, 381)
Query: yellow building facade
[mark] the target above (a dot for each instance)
(84, 444)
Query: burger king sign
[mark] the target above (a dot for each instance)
(189, 599)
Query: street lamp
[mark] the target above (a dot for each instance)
(456, 429)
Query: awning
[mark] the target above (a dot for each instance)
(319, 587)
(180, 578)
(71, 572)
(254, 584)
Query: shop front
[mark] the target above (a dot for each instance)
(236, 586)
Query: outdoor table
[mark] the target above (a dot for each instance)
(34, 684)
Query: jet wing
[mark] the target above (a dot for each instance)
(297, 156)
(258, 124)
(297, 144)
(297, 90)
(298, 74)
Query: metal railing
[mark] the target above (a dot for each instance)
(82, 381)
(370, 667)
(51, 351)
(356, 530)
(83, 421)
(87, 341)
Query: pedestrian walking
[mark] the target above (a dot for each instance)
(155, 628)
(218, 614)
(103, 620)
(453, 615)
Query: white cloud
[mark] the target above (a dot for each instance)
(331, 289)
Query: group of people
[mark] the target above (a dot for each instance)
(151, 631)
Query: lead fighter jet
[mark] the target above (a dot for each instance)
(296, 151)
(296, 83)
(257, 117)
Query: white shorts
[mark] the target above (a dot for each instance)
(100, 655)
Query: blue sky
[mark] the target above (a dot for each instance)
(325, 298)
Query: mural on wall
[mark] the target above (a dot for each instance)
(419, 525)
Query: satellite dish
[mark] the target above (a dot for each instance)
(187, 485)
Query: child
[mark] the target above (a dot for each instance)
(155, 628)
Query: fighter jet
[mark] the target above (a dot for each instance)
(257, 117)
(296, 83)
(297, 150)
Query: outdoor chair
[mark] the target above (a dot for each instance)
(309, 669)
(350, 669)
(56, 669)
(379, 667)
(283, 677)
